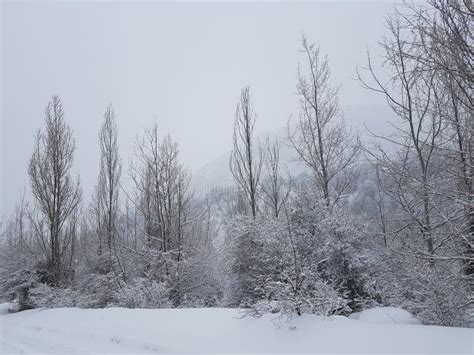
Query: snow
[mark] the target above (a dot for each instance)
(384, 315)
(73, 330)
(4, 308)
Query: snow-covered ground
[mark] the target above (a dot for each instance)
(72, 330)
(388, 315)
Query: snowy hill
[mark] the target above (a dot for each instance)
(217, 172)
(72, 330)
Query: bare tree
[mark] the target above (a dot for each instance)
(320, 137)
(19, 256)
(411, 93)
(57, 196)
(428, 63)
(245, 161)
(446, 38)
(107, 190)
(243, 245)
(162, 184)
(275, 188)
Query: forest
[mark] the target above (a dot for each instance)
(382, 221)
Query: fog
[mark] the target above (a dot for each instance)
(181, 65)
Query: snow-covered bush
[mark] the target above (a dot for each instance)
(334, 253)
(17, 284)
(434, 293)
(310, 260)
(244, 262)
(92, 291)
(143, 293)
(97, 290)
(46, 296)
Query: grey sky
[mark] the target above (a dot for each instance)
(180, 64)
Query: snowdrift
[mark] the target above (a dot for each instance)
(390, 315)
(72, 330)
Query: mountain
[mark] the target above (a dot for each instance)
(217, 172)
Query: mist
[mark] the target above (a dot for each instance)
(181, 65)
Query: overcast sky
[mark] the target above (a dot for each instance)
(181, 64)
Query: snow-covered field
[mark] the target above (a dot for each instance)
(72, 330)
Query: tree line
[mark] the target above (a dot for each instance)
(389, 221)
